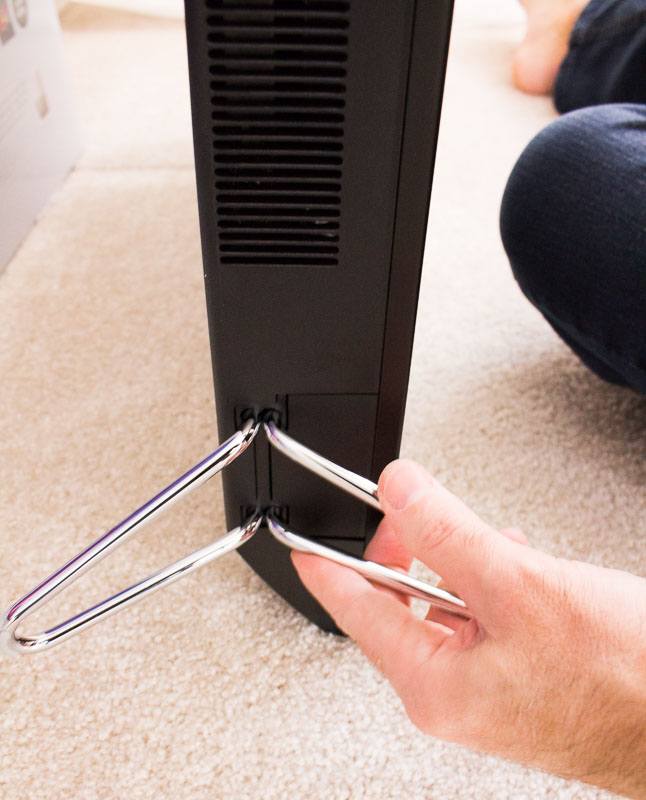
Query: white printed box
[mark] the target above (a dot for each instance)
(39, 136)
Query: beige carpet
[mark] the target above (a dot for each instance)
(214, 688)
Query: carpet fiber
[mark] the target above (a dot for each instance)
(214, 688)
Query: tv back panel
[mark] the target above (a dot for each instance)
(315, 126)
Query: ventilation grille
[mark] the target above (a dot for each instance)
(277, 76)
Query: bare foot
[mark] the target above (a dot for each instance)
(539, 56)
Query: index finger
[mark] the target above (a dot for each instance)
(445, 534)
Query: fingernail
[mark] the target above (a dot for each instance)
(404, 483)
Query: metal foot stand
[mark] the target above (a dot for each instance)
(362, 488)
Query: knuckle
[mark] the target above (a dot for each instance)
(540, 579)
(434, 530)
(540, 586)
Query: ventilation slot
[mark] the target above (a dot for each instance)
(278, 71)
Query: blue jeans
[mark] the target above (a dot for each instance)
(573, 215)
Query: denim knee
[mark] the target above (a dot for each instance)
(573, 224)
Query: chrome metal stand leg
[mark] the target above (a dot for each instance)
(356, 485)
(377, 573)
(360, 487)
(41, 594)
(368, 492)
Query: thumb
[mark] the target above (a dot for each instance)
(442, 532)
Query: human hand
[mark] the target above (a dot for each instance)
(552, 670)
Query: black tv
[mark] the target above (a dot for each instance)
(315, 126)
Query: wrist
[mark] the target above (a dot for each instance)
(612, 754)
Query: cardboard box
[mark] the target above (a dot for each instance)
(39, 136)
